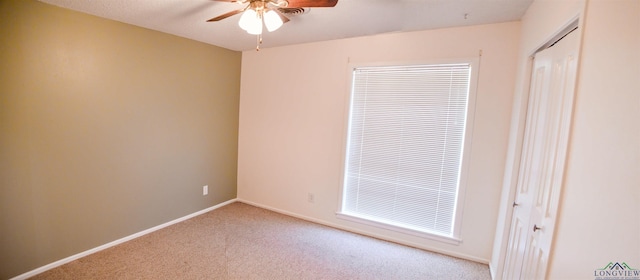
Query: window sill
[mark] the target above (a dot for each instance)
(426, 235)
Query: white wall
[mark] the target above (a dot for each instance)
(599, 216)
(293, 116)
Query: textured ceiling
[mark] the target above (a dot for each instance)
(349, 18)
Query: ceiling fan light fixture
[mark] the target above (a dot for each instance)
(250, 20)
(269, 13)
(255, 30)
(272, 20)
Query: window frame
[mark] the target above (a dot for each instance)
(455, 238)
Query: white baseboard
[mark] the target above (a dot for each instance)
(116, 242)
(492, 270)
(314, 220)
(362, 232)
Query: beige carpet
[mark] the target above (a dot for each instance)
(239, 241)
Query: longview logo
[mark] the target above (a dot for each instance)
(617, 271)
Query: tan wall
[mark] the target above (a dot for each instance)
(105, 130)
(293, 124)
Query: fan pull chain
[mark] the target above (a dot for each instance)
(258, 42)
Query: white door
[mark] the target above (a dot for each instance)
(542, 161)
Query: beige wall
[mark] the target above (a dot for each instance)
(105, 130)
(293, 117)
(599, 220)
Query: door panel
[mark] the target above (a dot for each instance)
(529, 171)
(542, 160)
(560, 106)
(513, 261)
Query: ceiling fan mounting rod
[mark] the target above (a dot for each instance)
(257, 5)
(262, 4)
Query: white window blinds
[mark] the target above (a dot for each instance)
(405, 145)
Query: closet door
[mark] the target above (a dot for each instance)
(543, 158)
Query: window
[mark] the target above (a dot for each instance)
(406, 147)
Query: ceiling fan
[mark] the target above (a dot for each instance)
(271, 12)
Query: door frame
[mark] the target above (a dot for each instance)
(519, 117)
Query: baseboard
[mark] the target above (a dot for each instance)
(492, 270)
(362, 232)
(116, 242)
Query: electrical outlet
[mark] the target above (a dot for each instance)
(205, 190)
(311, 198)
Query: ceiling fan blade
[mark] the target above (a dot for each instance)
(282, 17)
(311, 3)
(226, 15)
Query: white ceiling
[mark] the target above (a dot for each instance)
(349, 18)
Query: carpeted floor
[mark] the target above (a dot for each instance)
(239, 241)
